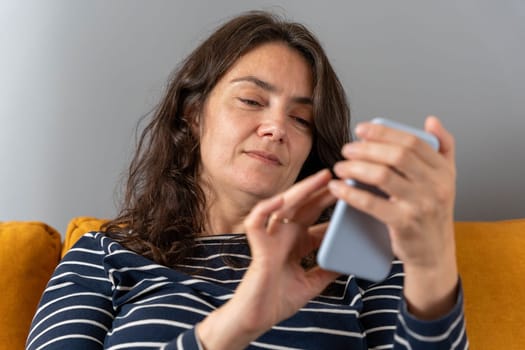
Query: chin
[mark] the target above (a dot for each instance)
(263, 188)
(261, 191)
(260, 183)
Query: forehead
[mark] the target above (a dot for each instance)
(277, 64)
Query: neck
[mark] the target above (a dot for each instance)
(225, 213)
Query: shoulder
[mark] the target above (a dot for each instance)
(95, 242)
(93, 250)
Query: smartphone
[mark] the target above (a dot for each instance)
(356, 243)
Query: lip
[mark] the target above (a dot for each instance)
(264, 156)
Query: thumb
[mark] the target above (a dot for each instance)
(447, 145)
(319, 279)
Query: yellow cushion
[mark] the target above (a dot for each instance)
(491, 260)
(29, 253)
(76, 229)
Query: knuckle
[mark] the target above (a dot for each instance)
(248, 223)
(444, 194)
(399, 157)
(412, 142)
(413, 213)
(411, 218)
(346, 169)
(366, 202)
(377, 132)
(428, 207)
(452, 141)
(382, 176)
(346, 192)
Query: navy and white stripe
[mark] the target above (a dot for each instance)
(105, 296)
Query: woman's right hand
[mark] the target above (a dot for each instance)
(275, 286)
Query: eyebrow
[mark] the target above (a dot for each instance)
(271, 88)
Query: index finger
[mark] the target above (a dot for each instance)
(295, 195)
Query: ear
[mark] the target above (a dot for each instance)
(192, 116)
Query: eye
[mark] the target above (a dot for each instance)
(302, 121)
(248, 102)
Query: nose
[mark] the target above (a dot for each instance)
(273, 129)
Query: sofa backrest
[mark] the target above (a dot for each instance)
(77, 227)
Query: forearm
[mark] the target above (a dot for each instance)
(225, 328)
(431, 292)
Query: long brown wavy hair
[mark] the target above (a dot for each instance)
(164, 205)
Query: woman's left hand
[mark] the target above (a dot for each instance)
(419, 212)
(281, 231)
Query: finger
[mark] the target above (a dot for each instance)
(397, 157)
(319, 279)
(384, 177)
(379, 207)
(298, 193)
(386, 135)
(306, 215)
(316, 233)
(312, 207)
(261, 213)
(311, 241)
(446, 141)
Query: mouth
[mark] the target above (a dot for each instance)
(265, 157)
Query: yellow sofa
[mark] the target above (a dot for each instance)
(491, 259)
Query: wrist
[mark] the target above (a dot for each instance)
(220, 330)
(431, 293)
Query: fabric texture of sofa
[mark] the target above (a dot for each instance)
(491, 259)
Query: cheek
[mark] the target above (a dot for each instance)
(218, 147)
(306, 146)
(303, 149)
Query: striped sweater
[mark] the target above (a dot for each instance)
(105, 296)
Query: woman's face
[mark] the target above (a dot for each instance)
(256, 124)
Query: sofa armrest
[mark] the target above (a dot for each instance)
(29, 253)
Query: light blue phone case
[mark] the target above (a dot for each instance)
(355, 242)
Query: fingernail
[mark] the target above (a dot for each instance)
(361, 129)
(320, 173)
(349, 149)
(276, 201)
(334, 186)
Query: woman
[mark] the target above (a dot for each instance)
(225, 204)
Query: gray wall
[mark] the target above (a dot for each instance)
(75, 76)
